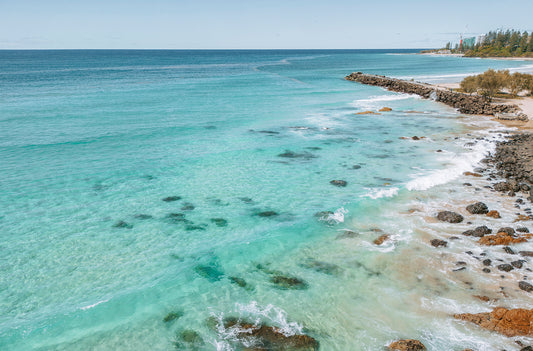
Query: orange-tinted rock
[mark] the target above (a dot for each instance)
(482, 298)
(503, 238)
(407, 345)
(367, 113)
(522, 218)
(381, 239)
(515, 322)
(385, 109)
(472, 174)
(494, 214)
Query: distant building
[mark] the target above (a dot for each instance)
(469, 43)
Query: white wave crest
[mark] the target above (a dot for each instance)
(337, 216)
(252, 312)
(93, 305)
(376, 100)
(378, 193)
(457, 165)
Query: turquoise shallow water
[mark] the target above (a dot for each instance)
(91, 142)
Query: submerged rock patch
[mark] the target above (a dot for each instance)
(286, 282)
(171, 198)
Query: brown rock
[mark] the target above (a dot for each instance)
(385, 109)
(503, 238)
(515, 322)
(438, 243)
(525, 286)
(272, 337)
(450, 217)
(494, 214)
(381, 239)
(367, 113)
(482, 298)
(472, 174)
(407, 345)
(522, 218)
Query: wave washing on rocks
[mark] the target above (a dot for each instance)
(510, 173)
(467, 104)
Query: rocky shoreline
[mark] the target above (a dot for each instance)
(507, 172)
(502, 253)
(465, 103)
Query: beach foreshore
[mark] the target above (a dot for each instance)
(496, 267)
(491, 58)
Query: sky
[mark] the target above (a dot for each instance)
(252, 24)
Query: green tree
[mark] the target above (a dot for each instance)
(514, 42)
(470, 84)
(523, 42)
(491, 82)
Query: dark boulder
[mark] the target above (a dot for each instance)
(450, 217)
(439, 243)
(525, 286)
(505, 267)
(510, 231)
(477, 208)
(502, 187)
(339, 183)
(518, 263)
(481, 231)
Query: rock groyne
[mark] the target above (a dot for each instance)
(465, 103)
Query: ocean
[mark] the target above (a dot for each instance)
(145, 193)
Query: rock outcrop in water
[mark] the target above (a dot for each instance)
(407, 345)
(450, 217)
(468, 104)
(264, 337)
(514, 322)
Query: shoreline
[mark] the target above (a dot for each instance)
(510, 58)
(504, 180)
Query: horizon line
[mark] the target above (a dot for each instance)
(205, 49)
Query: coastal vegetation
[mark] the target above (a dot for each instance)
(508, 43)
(491, 83)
